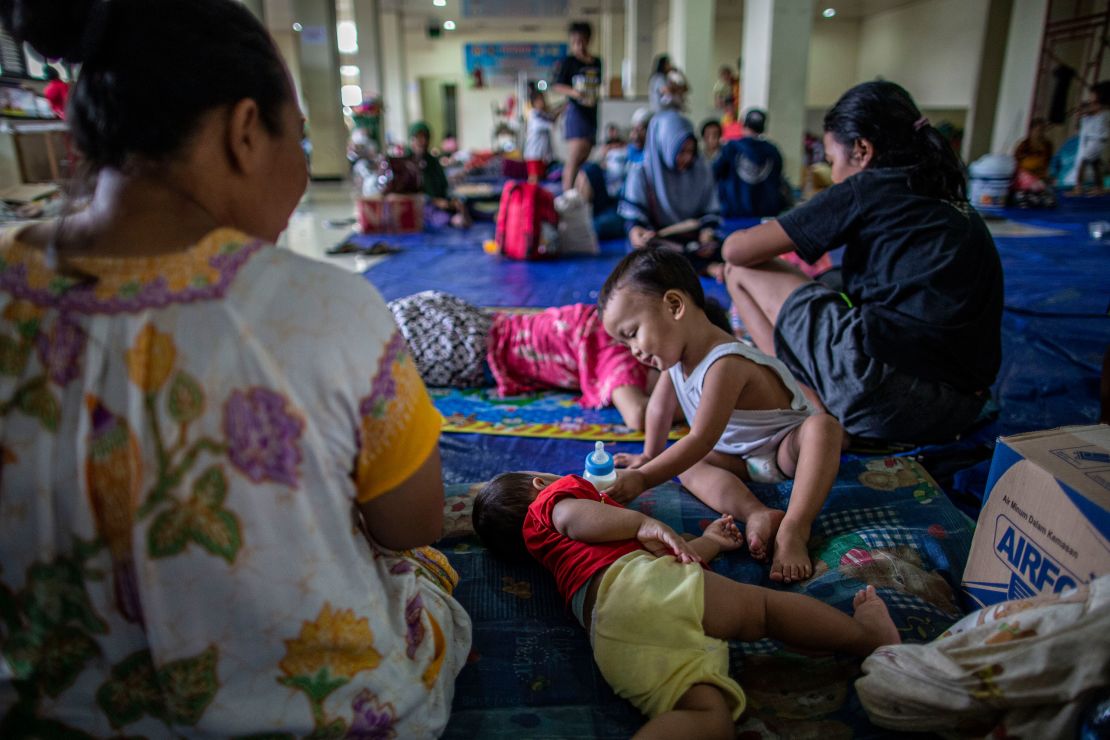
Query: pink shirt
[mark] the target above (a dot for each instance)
(562, 347)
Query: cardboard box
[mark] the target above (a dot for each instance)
(390, 214)
(1045, 523)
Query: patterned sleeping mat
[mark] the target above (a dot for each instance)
(531, 673)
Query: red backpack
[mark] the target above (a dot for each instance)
(525, 209)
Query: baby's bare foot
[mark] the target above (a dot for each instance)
(791, 562)
(871, 613)
(760, 529)
(723, 531)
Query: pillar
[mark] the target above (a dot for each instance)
(982, 114)
(776, 58)
(394, 89)
(1019, 74)
(610, 36)
(690, 43)
(368, 59)
(319, 74)
(639, 17)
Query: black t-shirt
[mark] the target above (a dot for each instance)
(924, 273)
(584, 77)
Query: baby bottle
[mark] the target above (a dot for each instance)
(599, 468)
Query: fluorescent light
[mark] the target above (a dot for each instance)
(439, 3)
(351, 95)
(347, 35)
(297, 27)
(349, 70)
(828, 12)
(449, 25)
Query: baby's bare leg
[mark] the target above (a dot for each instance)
(702, 712)
(716, 481)
(738, 611)
(811, 456)
(632, 403)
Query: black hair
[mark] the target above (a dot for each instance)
(885, 114)
(582, 28)
(756, 120)
(535, 94)
(1102, 92)
(654, 271)
(50, 73)
(707, 123)
(717, 315)
(498, 514)
(661, 62)
(209, 53)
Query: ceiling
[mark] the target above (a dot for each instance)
(417, 13)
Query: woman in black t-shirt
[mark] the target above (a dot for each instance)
(579, 78)
(908, 351)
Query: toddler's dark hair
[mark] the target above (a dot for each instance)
(885, 114)
(1102, 92)
(498, 514)
(581, 28)
(655, 271)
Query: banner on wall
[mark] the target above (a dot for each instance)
(501, 64)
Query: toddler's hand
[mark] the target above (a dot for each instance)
(630, 461)
(629, 485)
(660, 540)
(725, 533)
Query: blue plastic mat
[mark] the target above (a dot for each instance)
(531, 672)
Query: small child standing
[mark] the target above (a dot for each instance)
(657, 619)
(538, 151)
(749, 419)
(1094, 130)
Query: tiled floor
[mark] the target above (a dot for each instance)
(324, 217)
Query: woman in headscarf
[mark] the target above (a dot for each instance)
(671, 199)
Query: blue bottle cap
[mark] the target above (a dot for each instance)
(599, 462)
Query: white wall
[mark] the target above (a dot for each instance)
(931, 48)
(834, 52)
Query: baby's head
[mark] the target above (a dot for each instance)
(500, 508)
(652, 302)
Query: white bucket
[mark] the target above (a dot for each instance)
(990, 180)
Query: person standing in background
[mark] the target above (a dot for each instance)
(579, 78)
(658, 81)
(56, 91)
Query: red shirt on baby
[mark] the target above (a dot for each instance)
(570, 561)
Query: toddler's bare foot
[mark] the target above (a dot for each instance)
(871, 613)
(791, 562)
(724, 532)
(760, 529)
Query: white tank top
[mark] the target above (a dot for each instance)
(749, 431)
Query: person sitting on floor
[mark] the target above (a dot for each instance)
(749, 173)
(711, 139)
(658, 619)
(748, 418)
(456, 344)
(673, 192)
(220, 471)
(433, 176)
(908, 351)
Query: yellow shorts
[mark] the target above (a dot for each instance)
(648, 638)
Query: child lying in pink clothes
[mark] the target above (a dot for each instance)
(457, 344)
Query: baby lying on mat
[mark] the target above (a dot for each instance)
(657, 619)
(459, 345)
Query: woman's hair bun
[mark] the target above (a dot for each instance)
(57, 29)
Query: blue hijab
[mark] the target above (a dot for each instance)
(675, 196)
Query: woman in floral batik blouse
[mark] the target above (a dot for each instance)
(218, 466)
